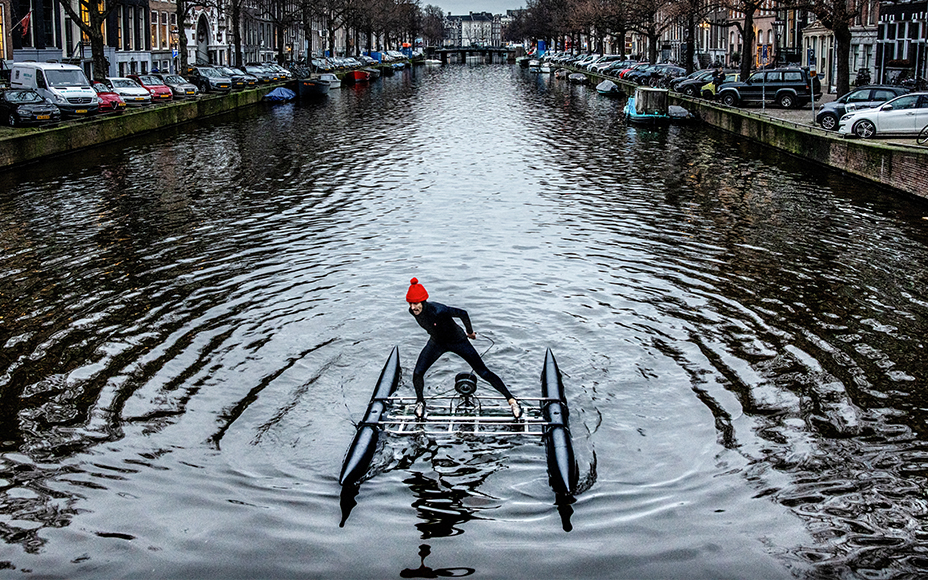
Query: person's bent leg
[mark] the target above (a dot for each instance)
(427, 357)
(466, 351)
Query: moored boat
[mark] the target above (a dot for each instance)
(356, 76)
(373, 72)
(333, 81)
(609, 88)
(648, 106)
(311, 88)
(578, 78)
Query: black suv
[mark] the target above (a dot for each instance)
(788, 87)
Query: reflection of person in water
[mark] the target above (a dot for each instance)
(424, 571)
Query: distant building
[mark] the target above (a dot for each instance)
(477, 29)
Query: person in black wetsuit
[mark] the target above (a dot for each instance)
(446, 336)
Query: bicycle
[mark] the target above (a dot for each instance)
(922, 136)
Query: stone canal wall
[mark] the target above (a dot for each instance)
(900, 167)
(19, 146)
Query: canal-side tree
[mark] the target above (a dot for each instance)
(693, 11)
(615, 21)
(651, 18)
(405, 22)
(838, 16)
(236, 10)
(745, 28)
(92, 26)
(281, 14)
(547, 20)
(433, 25)
(515, 30)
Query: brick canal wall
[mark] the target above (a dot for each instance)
(22, 146)
(898, 167)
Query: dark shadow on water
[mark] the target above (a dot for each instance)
(347, 500)
(565, 509)
(424, 571)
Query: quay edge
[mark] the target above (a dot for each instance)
(900, 167)
(30, 145)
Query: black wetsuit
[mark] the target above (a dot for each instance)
(446, 336)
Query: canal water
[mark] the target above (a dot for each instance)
(192, 324)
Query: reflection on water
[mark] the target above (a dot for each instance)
(192, 323)
(424, 571)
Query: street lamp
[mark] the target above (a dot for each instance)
(704, 37)
(174, 48)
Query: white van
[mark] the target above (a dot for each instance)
(65, 85)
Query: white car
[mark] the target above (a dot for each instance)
(905, 115)
(134, 94)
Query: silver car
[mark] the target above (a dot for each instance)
(134, 94)
(180, 87)
(905, 115)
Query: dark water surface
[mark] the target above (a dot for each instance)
(192, 324)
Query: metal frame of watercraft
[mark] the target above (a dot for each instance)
(545, 417)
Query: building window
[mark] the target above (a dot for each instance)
(48, 8)
(154, 29)
(164, 30)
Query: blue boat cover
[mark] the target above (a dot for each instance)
(280, 94)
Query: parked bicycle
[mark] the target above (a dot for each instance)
(922, 136)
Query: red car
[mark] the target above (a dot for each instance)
(110, 102)
(160, 92)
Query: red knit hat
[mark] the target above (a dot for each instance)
(416, 292)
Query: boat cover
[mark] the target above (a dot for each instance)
(280, 94)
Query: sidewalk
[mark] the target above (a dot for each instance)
(805, 117)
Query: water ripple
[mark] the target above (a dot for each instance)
(191, 324)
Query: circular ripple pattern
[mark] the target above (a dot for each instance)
(193, 322)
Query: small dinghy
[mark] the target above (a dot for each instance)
(280, 95)
(578, 78)
(609, 88)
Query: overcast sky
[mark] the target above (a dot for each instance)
(461, 7)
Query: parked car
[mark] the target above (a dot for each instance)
(708, 90)
(209, 80)
(637, 74)
(632, 68)
(110, 102)
(863, 98)
(285, 75)
(239, 77)
(702, 75)
(904, 115)
(160, 92)
(787, 87)
(180, 87)
(264, 76)
(617, 67)
(322, 65)
(134, 94)
(65, 85)
(604, 62)
(663, 74)
(26, 107)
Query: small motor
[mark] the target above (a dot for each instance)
(465, 384)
